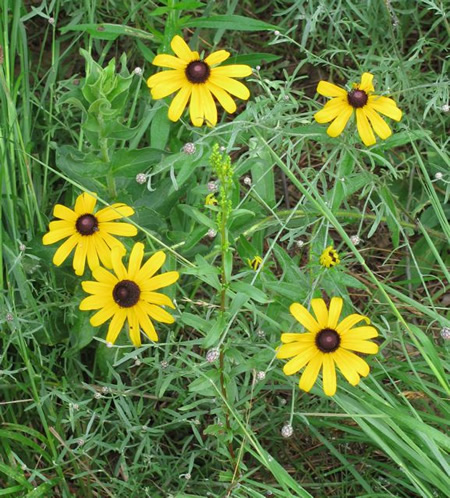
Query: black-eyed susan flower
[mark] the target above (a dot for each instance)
(89, 232)
(255, 263)
(129, 294)
(327, 345)
(210, 200)
(329, 257)
(198, 80)
(361, 100)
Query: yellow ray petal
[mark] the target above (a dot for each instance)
(232, 86)
(366, 83)
(156, 312)
(95, 302)
(160, 281)
(329, 375)
(348, 322)
(182, 50)
(90, 201)
(338, 125)
(358, 333)
(303, 338)
(134, 264)
(63, 212)
(103, 251)
(79, 258)
(92, 256)
(311, 372)
(291, 349)
(110, 240)
(116, 325)
(151, 266)
(346, 367)
(80, 207)
(116, 259)
(104, 314)
(105, 277)
(359, 346)
(114, 212)
(232, 71)
(364, 129)
(97, 288)
(294, 365)
(133, 322)
(118, 228)
(179, 102)
(328, 89)
(354, 362)
(209, 106)
(60, 224)
(379, 125)
(157, 298)
(196, 108)
(164, 60)
(331, 110)
(161, 91)
(223, 97)
(57, 235)
(334, 312)
(65, 249)
(163, 78)
(217, 57)
(304, 317)
(320, 310)
(146, 324)
(384, 105)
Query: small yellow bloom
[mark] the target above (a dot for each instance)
(90, 232)
(329, 257)
(366, 106)
(255, 263)
(327, 344)
(198, 81)
(129, 294)
(210, 200)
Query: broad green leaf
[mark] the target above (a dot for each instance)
(233, 22)
(106, 31)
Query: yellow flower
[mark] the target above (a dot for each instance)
(329, 257)
(366, 105)
(327, 344)
(210, 200)
(198, 80)
(255, 263)
(91, 233)
(129, 294)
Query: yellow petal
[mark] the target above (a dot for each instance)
(290, 350)
(364, 333)
(223, 97)
(328, 89)
(232, 71)
(98, 288)
(209, 106)
(384, 105)
(181, 49)
(157, 298)
(59, 224)
(89, 202)
(80, 206)
(163, 78)
(348, 322)
(338, 125)
(79, 258)
(217, 57)
(64, 213)
(133, 322)
(151, 266)
(329, 375)
(364, 129)
(92, 256)
(359, 346)
(163, 280)
(56, 235)
(294, 365)
(304, 317)
(134, 264)
(65, 249)
(378, 123)
(311, 372)
(355, 362)
(146, 324)
(103, 251)
(346, 366)
(116, 325)
(179, 102)
(303, 338)
(156, 312)
(334, 312)
(320, 310)
(110, 240)
(164, 60)
(104, 314)
(117, 254)
(95, 302)
(331, 110)
(114, 212)
(196, 109)
(117, 228)
(232, 86)
(161, 91)
(366, 83)
(105, 277)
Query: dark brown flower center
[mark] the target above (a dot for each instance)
(126, 293)
(197, 72)
(328, 340)
(87, 224)
(357, 98)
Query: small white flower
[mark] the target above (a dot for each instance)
(287, 431)
(9, 317)
(445, 333)
(97, 395)
(22, 247)
(211, 233)
(189, 148)
(212, 186)
(144, 428)
(300, 243)
(446, 107)
(137, 362)
(24, 467)
(212, 355)
(164, 364)
(105, 390)
(438, 175)
(51, 20)
(355, 240)
(138, 71)
(260, 375)
(141, 178)
(187, 476)
(109, 344)
(222, 148)
(258, 68)
(248, 181)
(80, 442)
(276, 33)
(260, 334)
(75, 406)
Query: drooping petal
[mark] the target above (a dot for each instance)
(116, 258)
(164, 60)
(223, 97)
(116, 325)
(304, 317)
(386, 106)
(196, 108)
(217, 57)
(114, 212)
(350, 320)
(151, 266)
(146, 324)
(232, 71)
(334, 312)
(92, 256)
(331, 110)
(366, 83)
(157, 298)
(364, 128)
(294, 365)
(103, 251)
(320, 310)
(328, 89)
(161, 91)
(160, 281)
(303, 338)
(163, 78)
(232, 86)
(362, 333)
(118, 228)
(95, 302)
(379, 125)
(346, 367)
(56, 235)
(179, 102)
(156, 312)
(104, 314)
(209, 106)
(133, 323)
(79, 258)
(134, 263)
(64, 213)
(110, 241)
(65, 249)
(360, 346)
(329, 375)
(338, 125)
(311, 372)
(355, 362)
(182, 50)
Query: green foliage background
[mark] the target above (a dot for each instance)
(78, 419)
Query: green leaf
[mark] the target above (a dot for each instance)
(214, 332)
(255, 59)
(205, 384)
(106, 31)
(159, 129)
(80, 164)
(197, 215)
(233, 22)
(129, 163)
(391, 215)
(256, 294)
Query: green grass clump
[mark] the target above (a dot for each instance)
(203, 411)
